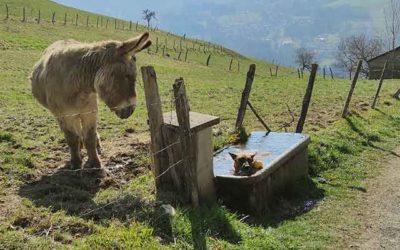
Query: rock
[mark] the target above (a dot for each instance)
(168, 209)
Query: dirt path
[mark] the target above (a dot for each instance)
(381, 216)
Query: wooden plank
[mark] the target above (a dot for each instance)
(198, 121)
(307, 98)
(245, 96)
(188, 151)
(154, 112)
(380, 85)
(353, 85)
(258, 116)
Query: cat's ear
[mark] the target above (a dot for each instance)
(233, 156)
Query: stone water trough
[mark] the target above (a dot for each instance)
(285, 160)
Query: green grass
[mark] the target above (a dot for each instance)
(42, 207)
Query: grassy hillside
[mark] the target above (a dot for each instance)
(45, 206)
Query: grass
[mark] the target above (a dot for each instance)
(44, 207)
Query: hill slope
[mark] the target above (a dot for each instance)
(44, 205)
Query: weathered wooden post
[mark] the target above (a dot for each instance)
(245, 96)
(156, 44)
(238, 66)
(324, 73)
(276, 70)
(330, 69)
(208, 60)
(163, 51)
(130, 26)
(179, 55)
(76, 19)
(7, 14)
(115, 23)
(97, 22)
(353, 85)
(298, 73)
(380, 85)
(39, 16)
(65, 19)
(307, 98)
(53, 18)
(87, 21)
(397, 95)
(230, 64)
(23, 15)
(270, 71)
(137, 23)
(186, 55)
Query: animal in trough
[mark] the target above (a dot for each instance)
(245, 164)
(71, 75)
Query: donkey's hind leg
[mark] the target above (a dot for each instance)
(89, 126)
(71, 127)
(98, 141)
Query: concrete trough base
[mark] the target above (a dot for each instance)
(285, 163)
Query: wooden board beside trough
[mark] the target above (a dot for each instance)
(285, 160)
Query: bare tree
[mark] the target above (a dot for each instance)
(392, 21)
(304, 58)
(354, 48)
(148, 15)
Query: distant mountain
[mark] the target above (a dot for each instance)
(267, 29)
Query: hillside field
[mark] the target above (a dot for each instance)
(42, 206)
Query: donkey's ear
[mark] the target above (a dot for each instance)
(233, 156)
(134, 44)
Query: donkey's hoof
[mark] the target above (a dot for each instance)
(93, 164)
(76, 163)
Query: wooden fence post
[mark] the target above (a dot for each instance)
(397, 95)
(137, 23)
(182, 113)
(101, 21)
(23, 15)
(107, 23)
(7, 14)
(97, 22)
(39, 16)
(230, 65)
(208, 60)
(186, 55)
(65, 19)
(156, 121)
(258, 116)
(130, 26)
(353, 85)
(330, 69)
(380, 85)
(179, 56)
(76, 19)
(115, 23)
(270, 71)
(276, 70)
(307, 98)
(238, 66)
(302, 73)
(87, 21)
(298, 73)
(324, 73)
(245, 96)
(53, 18)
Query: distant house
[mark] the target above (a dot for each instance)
(392, 71)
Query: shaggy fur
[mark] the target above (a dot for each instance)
(69, 77)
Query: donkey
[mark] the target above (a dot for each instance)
(70, 75)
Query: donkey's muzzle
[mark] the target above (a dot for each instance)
(126, 112)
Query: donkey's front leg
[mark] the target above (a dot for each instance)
(70, 126)
(89, 132)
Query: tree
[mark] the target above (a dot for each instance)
(354, 48)
(148, 15)
(304, 58)
(392, 21)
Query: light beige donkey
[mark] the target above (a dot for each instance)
(69, 77)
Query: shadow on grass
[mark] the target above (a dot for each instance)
(295, 200)
(369, 139)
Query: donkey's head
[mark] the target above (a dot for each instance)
(115, 80)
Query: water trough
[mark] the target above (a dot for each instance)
(285, 160)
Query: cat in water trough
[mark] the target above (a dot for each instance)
(70, 76)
